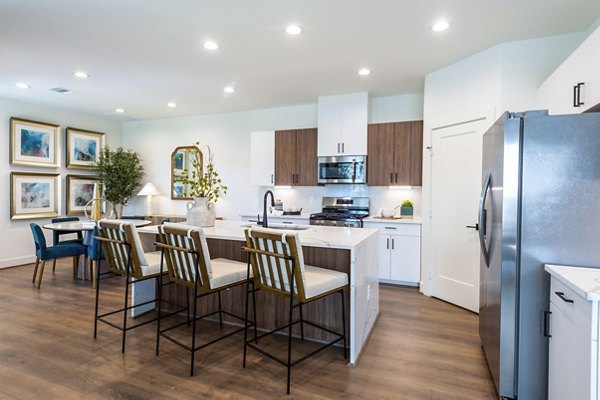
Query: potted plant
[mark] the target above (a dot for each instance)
(406, 209)
(205, 187)
(121, 173)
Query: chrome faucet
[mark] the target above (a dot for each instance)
(267, 193)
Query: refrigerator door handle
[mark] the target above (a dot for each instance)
(482, 219)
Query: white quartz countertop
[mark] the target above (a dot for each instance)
(276, 216)
(584, 281)
(314, 236)
(416, 220)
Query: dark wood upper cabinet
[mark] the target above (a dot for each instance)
(395, 154)
(296, 157)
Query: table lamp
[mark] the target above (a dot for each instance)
(149, 190)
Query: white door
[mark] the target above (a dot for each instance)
(455, 188)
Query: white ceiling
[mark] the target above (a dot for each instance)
(142, 54)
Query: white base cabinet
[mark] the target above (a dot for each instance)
(399, 252)
(573, 351)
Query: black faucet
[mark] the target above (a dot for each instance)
(264, 221)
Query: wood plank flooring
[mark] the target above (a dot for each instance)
(421, 348)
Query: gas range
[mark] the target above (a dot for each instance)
(342, 211)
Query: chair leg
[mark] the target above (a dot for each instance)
(301, 322)
(246, 324)
(159, 284)
(344, 324)
(187, 304)
(254, 313)
(54, 265)
(125, 313)
(193, 329)
(220, 310)
(75, 260)
(97, 283)
(35, 268)
(41, 273)
(289, 358)
(93, 267)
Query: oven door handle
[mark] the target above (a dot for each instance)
(354, 170)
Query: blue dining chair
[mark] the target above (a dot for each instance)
(44, 253)
(57, 234)
(95, 254)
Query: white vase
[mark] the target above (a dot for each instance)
(201, 212)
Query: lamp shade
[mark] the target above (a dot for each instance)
(149, 190)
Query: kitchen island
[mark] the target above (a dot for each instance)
(350, 250)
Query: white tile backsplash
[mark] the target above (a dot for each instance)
(309, 198)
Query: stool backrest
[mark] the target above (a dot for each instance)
(275, 258)
(119, 241)
(186, 253)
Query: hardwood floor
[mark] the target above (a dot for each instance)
(421, 348)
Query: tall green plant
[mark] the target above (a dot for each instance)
(204, 183)
(121, 173)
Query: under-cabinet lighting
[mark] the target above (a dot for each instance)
(283, 187)
(400, 187)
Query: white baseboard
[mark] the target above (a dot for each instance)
(13, 262)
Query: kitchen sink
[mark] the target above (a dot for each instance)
(287, 227)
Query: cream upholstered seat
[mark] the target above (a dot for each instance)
(125, 257)
(188, 262)
(278, 265)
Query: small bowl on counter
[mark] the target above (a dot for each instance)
(387, 212)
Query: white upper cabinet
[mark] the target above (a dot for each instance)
(575, 85)
(262, 158)
(343, 125)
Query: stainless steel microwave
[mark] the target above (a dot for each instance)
(343, 169)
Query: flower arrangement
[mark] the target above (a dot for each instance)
(204, 183)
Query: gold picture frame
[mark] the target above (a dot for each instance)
(33, 143)
(79, 191)
(181, 164)
(83, 148)
(34, 195)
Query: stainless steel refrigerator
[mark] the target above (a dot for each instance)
(540, 203)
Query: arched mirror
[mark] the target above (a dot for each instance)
(182, 165)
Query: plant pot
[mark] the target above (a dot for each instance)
(406, 212)
(201, 212)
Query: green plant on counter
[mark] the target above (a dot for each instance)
(406, 203)
(121, 173)
(204, 184)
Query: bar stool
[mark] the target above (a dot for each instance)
(124, 257)
(278, 266)
(189, 265)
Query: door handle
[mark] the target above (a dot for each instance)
(563, 297)
(547, 316)
(482, 219)
(476, 227)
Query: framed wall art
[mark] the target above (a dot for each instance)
(33, 195)
(83, 148)
(80, 190)
(33, 143)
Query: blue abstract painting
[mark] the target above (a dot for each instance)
(85, 149)
(35, 195)
(35, 143)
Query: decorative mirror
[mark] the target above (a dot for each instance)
(182, 164)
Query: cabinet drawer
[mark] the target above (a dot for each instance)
(574, 307)
(396, 229)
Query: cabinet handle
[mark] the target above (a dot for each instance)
(297, 178)
(390, 227)
(396, 177)
(547, 332)
(338, 147)
(388, 243)
(343, 151)
(272, 178)
(577, 95)
(392, 243)
(391, 177)
(563, 297)
(293, 178)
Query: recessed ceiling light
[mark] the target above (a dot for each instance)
(119, 110)
(81, 75)
(294, 30)
(440, 26)
(171, 105)
(210, 45)
(229, 89)
(364, 71)
(22, 85)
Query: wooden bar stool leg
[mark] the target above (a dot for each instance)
(94, 266)
(41, 273)
(35, 268)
